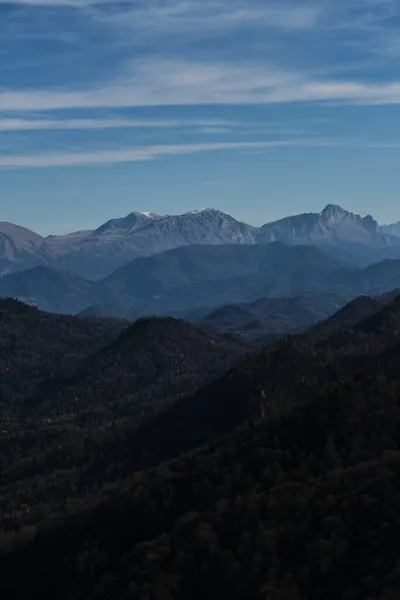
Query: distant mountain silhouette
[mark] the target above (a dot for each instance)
(350, 236)
(270, 318)
(96, 254)
(48, 289)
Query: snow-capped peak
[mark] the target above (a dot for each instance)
(147, 214)
(198, 211)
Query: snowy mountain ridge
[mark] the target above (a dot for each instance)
(96, 253)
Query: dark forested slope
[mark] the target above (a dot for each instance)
(266, 319)
(302, 502)
(67, 436)
(34, 346)
(287, 371)
(302, 506)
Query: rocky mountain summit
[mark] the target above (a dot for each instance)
(393, 229)
(96, 254)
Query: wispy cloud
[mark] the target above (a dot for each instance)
(171, 66)
(211, 16)
(76, 3)
(207, 126)
(167, 83)
(146, 153)
(191, 15)
(213, 130)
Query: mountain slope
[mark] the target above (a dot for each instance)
(119, 241)
(393, 229)
(333, 224)
(86, 414)
(48, 289)
(191, 278)
(194, 276)
(133, 403)
(128, 225)
(302, 506)
(352, 313)
(96, 254)
(335, 229)
(20, 248)
(269, 318)
(34, 346)
(286, 371)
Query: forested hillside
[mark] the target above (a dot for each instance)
(35, 346)
(65, 432)
(300, 501)
(267, 319)
(304, 505)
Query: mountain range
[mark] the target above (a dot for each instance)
(148, 264)
(194, 280)
(96, 254)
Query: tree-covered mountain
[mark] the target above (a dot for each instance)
(188, 280)
(66, 416)
(196, 276)
(266, 319)
(301, 502)
(192, 278)
(35, 346)
(161, 388)
(176, 281)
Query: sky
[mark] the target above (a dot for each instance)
(259, 108)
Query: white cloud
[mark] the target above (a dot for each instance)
(212, 16)
(191, 15)
(212, 126)
(76, 3)
(145, 153)
(177, 83)
(213, 130)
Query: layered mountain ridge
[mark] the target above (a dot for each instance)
(189, 279)
(96, 254)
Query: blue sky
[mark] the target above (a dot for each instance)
(258, 108)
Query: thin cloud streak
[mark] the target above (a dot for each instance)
(55, 3)
(146, 153)
(77, 124)
(191, 16)
(166, 83)
(185, 17)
